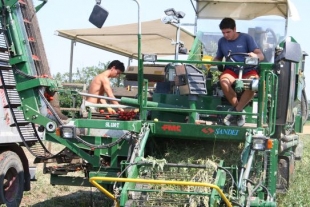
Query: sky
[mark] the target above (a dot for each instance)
(74, 14)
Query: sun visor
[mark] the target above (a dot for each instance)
(243, 10)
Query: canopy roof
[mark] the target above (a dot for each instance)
(241, 9)
(157, 36)
(122, 39)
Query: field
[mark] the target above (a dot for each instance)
(297, 196)
(45, 195)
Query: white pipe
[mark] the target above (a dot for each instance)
(139, 22)
(100, 97)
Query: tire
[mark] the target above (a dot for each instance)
(12, 179)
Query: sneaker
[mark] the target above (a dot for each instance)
(241, 119)
(229, 119)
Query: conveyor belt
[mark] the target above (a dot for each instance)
(27, 130)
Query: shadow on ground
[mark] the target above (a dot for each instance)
(76, 199)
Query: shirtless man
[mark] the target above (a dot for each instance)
(100, 85)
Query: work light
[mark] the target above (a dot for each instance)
(261, 143)
(67, 132)
(149, 57)
(170, 12)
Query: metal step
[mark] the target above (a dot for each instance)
(9, 79)
(3, 46)
(14, 99)
(4, 57)
(20, 119)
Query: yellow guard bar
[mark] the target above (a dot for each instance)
(136, 180)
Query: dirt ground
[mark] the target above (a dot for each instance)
(306, 129)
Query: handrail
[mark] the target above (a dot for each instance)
(149, 181)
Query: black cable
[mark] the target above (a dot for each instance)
(101, 146)
(264, 187)
(232, 178)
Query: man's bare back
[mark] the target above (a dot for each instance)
(97, 87)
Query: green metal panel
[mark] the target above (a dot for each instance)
(201, 132)
(298, 127)
(134, 126)
(172, 116)
(273, 166)
(220, 180)
(33, 83)
(69, 180)
(21, 57)
(8, 3)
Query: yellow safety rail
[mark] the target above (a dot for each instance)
(94, 180)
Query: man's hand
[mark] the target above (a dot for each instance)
(120, 109)
(252, 54)
(111, 111)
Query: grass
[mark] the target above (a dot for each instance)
(45, 195)
(297, 195)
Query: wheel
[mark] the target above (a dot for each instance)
(12, 179)
(231, 54)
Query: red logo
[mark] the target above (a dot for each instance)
(207, 131)
(173, 128)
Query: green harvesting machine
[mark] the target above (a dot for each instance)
(170, 146)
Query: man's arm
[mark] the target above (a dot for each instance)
(252, 45)
(109, 93)
(103, 101)
(257, 53)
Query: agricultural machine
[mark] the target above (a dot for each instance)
(169, 147)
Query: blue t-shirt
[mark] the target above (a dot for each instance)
(243, 44)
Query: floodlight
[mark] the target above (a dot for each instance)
(149, 57)
(180, 15)
(261, 143)
(170, 12)
(173, 17)
(166, 19)
(68, 132)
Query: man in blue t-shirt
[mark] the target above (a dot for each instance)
(236, 42)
